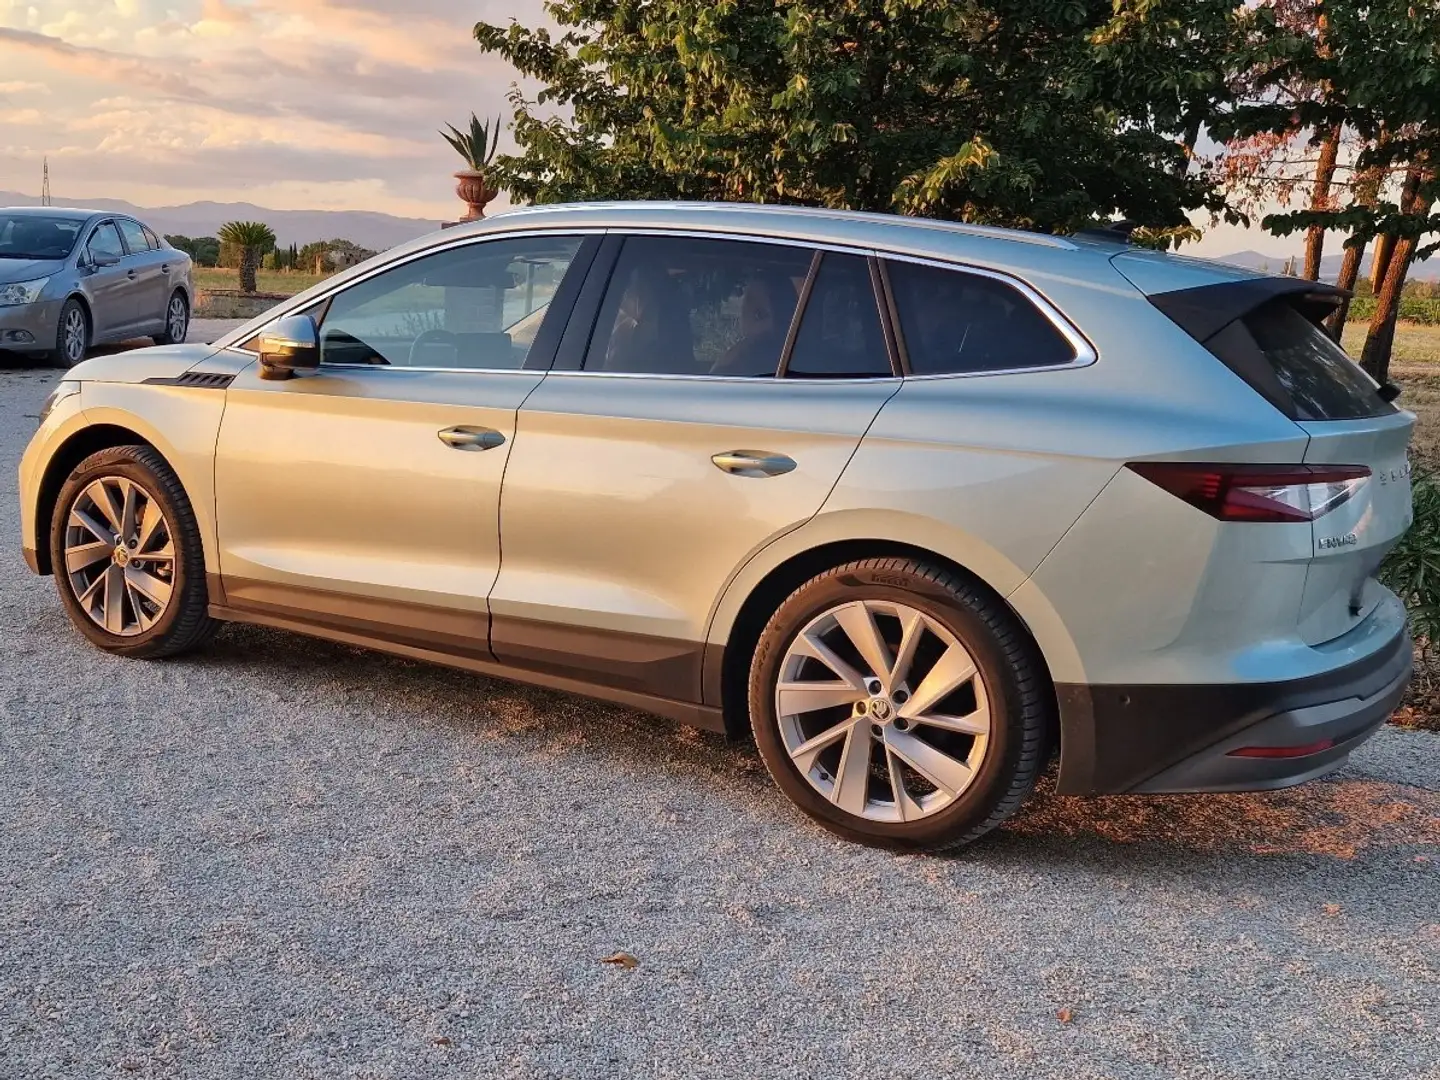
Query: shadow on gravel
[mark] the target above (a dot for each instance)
(1327, 836)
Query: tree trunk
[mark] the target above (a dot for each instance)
(249, 263)
(1320, 200)
(1349, 273)
(1381, 338)
(1380, 264)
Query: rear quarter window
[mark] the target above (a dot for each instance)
(1297, 366)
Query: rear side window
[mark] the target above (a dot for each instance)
(135, 238)
(1297, 366)
(840, 333)
(683, 306)
(954, 322)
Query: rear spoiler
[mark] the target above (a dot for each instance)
(1204, 310)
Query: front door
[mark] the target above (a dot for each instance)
(642, 481)
(108, 287)
(366, 496)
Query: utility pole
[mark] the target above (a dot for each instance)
(45, 185)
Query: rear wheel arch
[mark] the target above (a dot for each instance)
(727, 681)
(67, 456)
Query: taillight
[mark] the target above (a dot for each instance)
(1257, 492)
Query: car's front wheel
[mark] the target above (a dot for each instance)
(72, 336)
(126, 550)
(900, 704)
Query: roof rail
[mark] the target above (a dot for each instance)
(992, 232)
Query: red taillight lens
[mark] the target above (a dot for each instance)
(1257, 492)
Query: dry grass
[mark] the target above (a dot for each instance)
(267, 281)
(1414, 343)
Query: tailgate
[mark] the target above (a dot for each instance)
(1341, 588)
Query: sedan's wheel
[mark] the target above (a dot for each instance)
(900, 705)
(72, 336)
(177, 321)
(127, 556)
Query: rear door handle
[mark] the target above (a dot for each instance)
(753, 463)
(471, 438)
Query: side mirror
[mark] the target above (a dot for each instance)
(292, 344)
(103, 260)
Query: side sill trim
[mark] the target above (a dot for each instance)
(702, 716)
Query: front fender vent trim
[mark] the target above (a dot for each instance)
(203, 380)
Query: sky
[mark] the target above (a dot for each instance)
(288, 104)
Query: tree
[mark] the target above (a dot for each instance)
(1380, 68)
(203, 250)
(253, 239)
(1047, 114)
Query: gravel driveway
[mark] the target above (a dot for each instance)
(288, 859)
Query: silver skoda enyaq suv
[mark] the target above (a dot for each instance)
(921, 505)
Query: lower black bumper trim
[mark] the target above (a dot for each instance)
(1116, 738)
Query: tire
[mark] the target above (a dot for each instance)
(138, 625)
(979, 778)
(73, 335)
(177, 320)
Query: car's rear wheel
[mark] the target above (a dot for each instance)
(900, 704)
(72, 336)
(128, 561)
(177, 320)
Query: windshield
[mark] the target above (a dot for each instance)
(30, 236)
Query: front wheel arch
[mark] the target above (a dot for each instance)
(62, 463)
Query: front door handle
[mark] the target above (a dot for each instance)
(472, 438)
(753, 463)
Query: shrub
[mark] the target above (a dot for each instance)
(1412, 569)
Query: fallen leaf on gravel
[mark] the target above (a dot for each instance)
(130, 1066)
(1065, 1016)
(1332, 910)
(621, 959)
(441, 1040)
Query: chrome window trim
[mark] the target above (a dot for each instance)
(1085, 353)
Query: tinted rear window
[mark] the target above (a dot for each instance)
(1297, 366)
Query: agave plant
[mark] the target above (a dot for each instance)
(253, 238)
(478, 145)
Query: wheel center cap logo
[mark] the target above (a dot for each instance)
(122, 556)
(880, 709)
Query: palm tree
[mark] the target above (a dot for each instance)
(253, 238)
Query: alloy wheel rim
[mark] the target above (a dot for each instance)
(177, 319)
(883, 711)
(75, 336)
(120, 556)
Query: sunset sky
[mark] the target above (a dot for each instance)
(291, 104)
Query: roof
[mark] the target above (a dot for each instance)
(65, 213)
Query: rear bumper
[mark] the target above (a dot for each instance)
(1154, 739)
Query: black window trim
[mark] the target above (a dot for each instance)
(572, 352)
(590, 242)
(1085, 352)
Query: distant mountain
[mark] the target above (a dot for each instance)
(369, 230)
(1429, 270)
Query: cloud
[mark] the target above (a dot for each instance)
(98, 63)
(17, 87)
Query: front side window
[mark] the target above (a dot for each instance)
(954, 322)
(683, 306)
(477, 306)
(105, 241)
(135, 238)
(840, 333)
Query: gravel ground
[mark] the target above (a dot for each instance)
(288, 859)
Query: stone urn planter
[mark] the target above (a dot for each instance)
(475, 191)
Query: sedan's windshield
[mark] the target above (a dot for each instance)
(30, 236)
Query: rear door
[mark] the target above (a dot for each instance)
(112, 303)
(366, 496)
(670, 444)
(147, 284)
